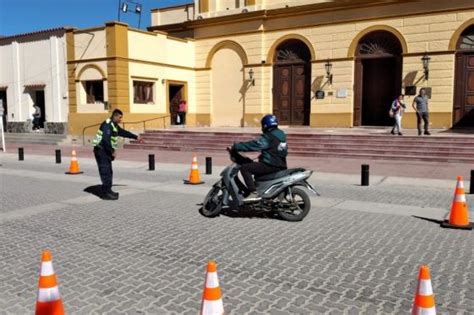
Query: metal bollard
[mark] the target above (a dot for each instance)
(208, 165)
(151, 162)
(58, 156)
(21, 154)
(471, 184)
(365, 175)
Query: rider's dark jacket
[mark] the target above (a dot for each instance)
(272, 144)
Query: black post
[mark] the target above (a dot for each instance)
(365, 175)
(21, 154)
(58, 156)
(471, 185)
(208, 165)
(151, 162)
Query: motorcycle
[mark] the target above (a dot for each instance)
(280, 193)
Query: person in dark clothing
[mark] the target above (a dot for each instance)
(274, 149)
(420, 105)
(105, 144)
(36, 118)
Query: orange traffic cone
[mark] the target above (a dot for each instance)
(74, 166)
(212, 296)
(48, 302)
(459, 217)
(424, 299)
(194, 178)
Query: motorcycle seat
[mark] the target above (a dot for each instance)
(278, 174)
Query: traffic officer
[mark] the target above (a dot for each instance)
(274, 149)
(105, 144)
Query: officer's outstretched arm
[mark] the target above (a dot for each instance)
(126, 134)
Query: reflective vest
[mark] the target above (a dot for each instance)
(113, 138)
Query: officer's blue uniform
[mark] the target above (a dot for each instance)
(105, 144)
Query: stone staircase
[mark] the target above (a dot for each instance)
(34, 138)
(435, 148)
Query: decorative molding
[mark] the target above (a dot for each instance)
(272, 50)
(352, 52)
(453, 43)
(143, 78)
(91, 66)
(229, 44)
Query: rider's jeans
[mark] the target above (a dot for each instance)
(257, 169)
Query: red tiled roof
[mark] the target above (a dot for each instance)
(51, 30)
(35, 85)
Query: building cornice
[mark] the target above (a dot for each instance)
(277, 13)
(320, 8)
(173, 7)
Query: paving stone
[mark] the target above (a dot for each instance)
(147, 252)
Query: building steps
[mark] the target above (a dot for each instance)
(34, 138)
(435, 148)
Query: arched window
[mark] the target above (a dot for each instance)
(466, 40)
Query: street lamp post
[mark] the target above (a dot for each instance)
(124, 6)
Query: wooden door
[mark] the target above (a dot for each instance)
(464, 100)
(291, 94)
(358, 86)
(175, 95)
(379, 89)
(300, 95)
(282, 93)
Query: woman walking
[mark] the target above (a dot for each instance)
(398, 108)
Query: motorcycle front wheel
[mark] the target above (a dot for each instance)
(295, 206)
(213, 202)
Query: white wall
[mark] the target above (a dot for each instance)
(34, 60)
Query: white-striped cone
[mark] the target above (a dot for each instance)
(212, 296)
(48, 301)
(424, 303)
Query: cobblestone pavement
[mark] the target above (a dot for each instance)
(146, 253)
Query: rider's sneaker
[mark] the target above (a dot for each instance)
(253, 196)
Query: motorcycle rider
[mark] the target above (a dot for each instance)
(274, 149)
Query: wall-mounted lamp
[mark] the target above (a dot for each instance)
(162, 81)
(426, 66)
(328, 67)
(251, 78)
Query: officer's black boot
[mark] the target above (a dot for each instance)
(114, 193)
(109, 196)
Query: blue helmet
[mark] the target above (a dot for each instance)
(269, 121)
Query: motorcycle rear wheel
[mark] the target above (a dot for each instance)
(296, 211)
(213, 202)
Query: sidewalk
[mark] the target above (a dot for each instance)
(413, 169)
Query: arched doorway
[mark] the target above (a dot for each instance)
(463, 107)
(378, 78)
(292, 83)
(227, 81)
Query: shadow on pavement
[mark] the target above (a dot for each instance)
(95, 190)
(249, 214)
(429, 219)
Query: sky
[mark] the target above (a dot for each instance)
(24, 16)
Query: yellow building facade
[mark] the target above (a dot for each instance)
(312, 63)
